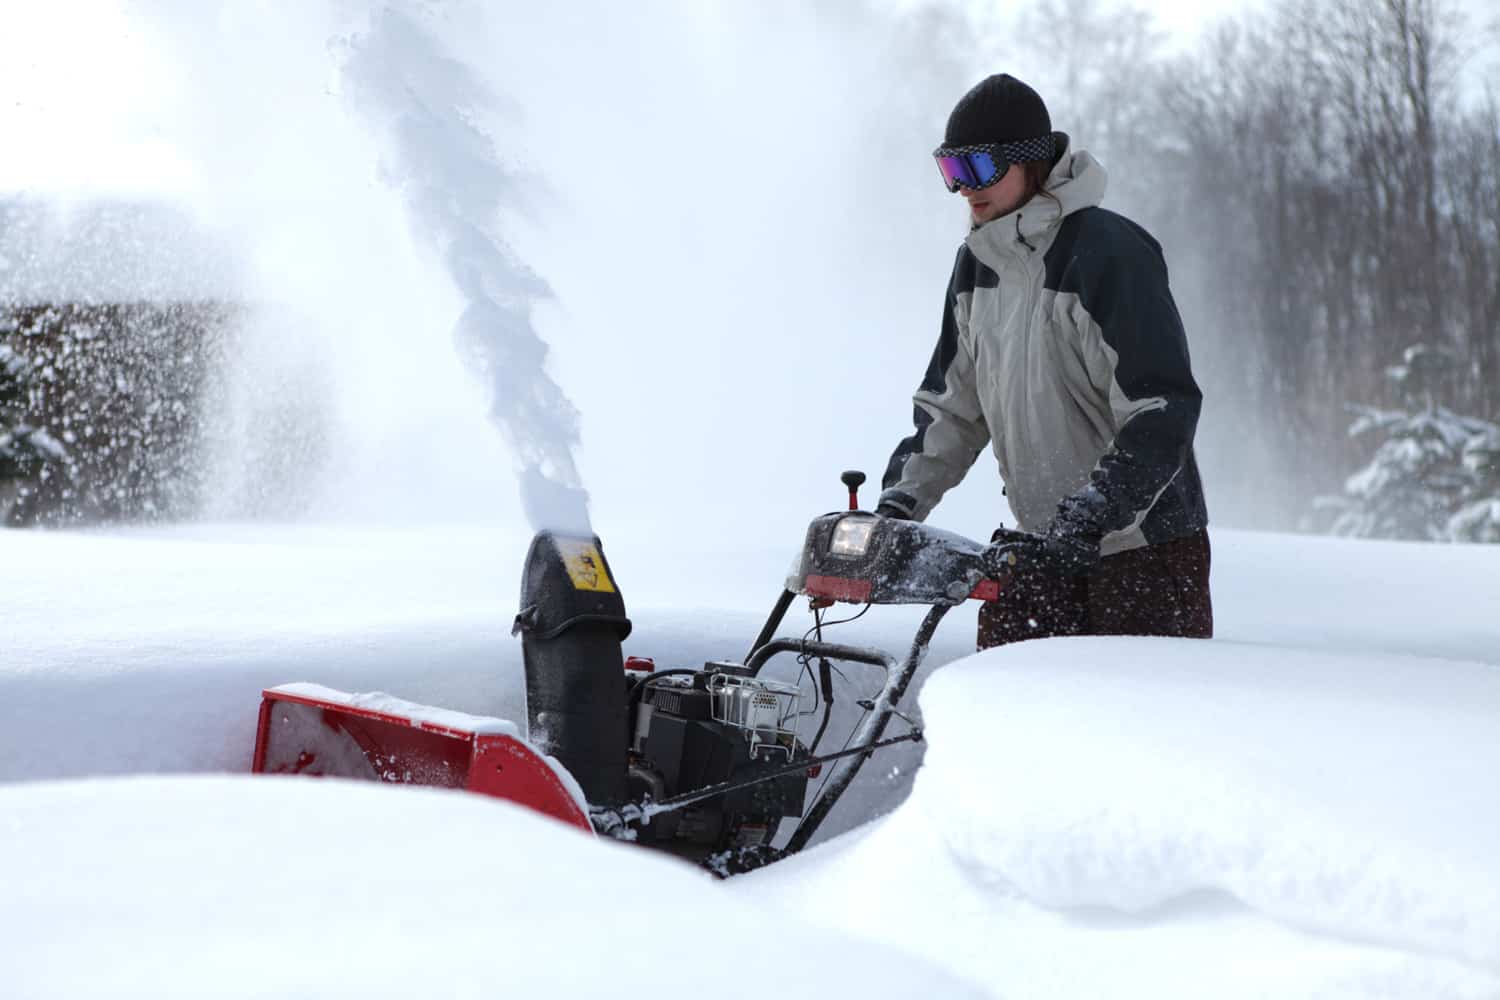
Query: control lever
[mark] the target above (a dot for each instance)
(853, 479)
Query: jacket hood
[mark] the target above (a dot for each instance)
(1077, 181)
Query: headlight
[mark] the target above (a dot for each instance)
(851, 536)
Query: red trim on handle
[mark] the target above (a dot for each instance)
(838, 588)
(986, 590)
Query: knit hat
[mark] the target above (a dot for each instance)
(998, 109)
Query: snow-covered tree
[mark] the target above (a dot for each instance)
(1435, 476)
(31, 460)
(1478, 520)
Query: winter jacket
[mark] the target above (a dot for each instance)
(1061, 347)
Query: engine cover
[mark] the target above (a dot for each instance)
(682, 743)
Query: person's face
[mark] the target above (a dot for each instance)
(1000, 198)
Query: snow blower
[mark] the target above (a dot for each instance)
(706, 762)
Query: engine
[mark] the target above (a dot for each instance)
(692, 729)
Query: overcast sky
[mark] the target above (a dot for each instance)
(83, 84)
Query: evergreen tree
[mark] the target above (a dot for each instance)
(1478, 520)
(1434, 475)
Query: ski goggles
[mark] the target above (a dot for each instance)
(976, 167)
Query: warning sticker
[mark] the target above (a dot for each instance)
(585, 566)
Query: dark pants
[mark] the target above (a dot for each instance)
(1156, 590)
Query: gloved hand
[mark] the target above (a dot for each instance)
(892, 511)
(1057, 552)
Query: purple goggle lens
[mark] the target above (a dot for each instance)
(971, 170)
(977, 167)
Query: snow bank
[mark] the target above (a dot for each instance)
(147, 652)
(1349, 795)
(921, 900)
(292, 888)
(1158, 818)
(1414, 598)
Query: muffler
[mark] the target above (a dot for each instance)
(572, 622)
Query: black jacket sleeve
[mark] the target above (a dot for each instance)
(1152, 393)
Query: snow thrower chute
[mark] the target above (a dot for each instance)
(704, 762)
(571, 624)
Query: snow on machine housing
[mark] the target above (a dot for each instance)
(705, 763)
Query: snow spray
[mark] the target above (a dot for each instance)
(425, 105)
(702, 289)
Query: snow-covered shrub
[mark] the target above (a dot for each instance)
(104, 420)
(1478, 519)
(1434, 475)
(32, 462)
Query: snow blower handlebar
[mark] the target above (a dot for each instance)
(859, 557)
(863, 558)
(867, 736)
(832, 650)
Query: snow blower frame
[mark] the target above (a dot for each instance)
(705, 763)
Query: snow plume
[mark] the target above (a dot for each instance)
(427, 104)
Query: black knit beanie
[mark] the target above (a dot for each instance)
(998, 109)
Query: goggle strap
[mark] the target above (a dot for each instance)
(1022, 151)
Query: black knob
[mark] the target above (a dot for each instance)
(852, 479)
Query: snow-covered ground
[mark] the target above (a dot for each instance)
(1128, 817)
(1305, 806)
(209, 887)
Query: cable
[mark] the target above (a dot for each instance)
(847, 739)
(823, 693)
(853, 618)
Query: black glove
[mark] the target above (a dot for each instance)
(1056, 552)
(1044, 553)
(1074, 537)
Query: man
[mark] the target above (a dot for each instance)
(1062, 347)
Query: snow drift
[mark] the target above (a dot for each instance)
(1151, 787)
(286, 887)
(1346, 795)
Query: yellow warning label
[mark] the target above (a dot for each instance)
(585, 566)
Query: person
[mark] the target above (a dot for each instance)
(1062, 347)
